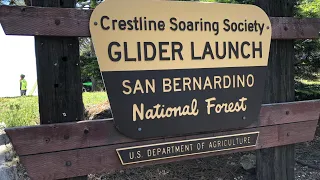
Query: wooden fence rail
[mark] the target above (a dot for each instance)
(78, 162)
(65, 150)
(83, 134)
(75, 22)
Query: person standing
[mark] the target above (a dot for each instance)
(23, 85)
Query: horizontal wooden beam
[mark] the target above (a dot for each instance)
(295, 28)
(45, 21)
(83, 134)
(79, 162)
(40, 21)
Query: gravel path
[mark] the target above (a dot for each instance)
(7, 172)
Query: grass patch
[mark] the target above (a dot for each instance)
(21, 111)
(309, 82)
(307, 89)
(24, 111)
(95, 98)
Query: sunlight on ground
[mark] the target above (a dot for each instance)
(24, 111)
(309, 82)
(90, 98)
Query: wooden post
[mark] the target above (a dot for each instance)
(58, 70)
(278, 163)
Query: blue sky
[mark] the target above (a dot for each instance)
(5, 2)
(17, 57)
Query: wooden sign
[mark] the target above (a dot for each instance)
(173, 68)
(66, 148)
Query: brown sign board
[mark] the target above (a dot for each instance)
(173, 68)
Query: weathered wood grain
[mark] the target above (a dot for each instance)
(65, 136)
(45, 21)
(294, 28)
(288, 112)
(104, 158)
(278, 162)
(58, 72)
(32, 21)
(59, 82)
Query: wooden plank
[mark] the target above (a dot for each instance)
(58, 72)
(104, 158)
(288, 112)
(65, 136)
(278, 163)
(294, 28)
(75, 22)
(59, 81)
(44, 21)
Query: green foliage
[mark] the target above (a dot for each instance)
(309, 8)
(85, 46)
(24, 111)
(307, 89)
(91, 3)
(90, 69)
(307, 52)
(307, 62)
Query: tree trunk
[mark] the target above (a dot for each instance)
(58, 70)
(27, 2)
(93, 53)
(94, 84)
(278, 163)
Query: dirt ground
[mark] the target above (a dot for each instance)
(225, 167)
